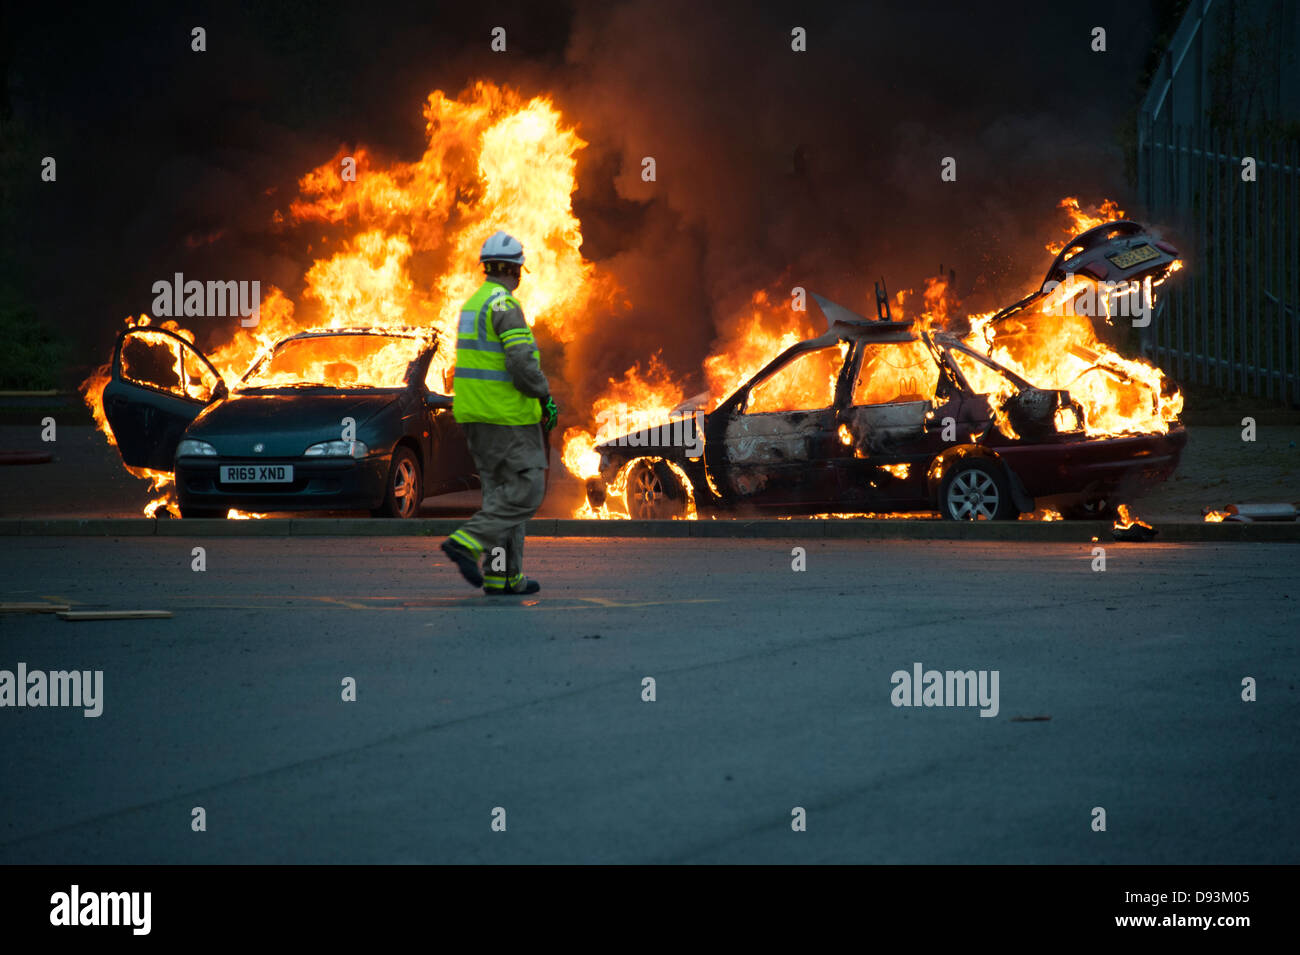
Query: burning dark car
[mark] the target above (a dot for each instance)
(335, 419)
(889, 416)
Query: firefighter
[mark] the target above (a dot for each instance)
(502, 402)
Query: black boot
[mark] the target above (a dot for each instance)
(529, 586)
(463, 559)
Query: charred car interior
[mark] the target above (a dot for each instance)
(890, 416)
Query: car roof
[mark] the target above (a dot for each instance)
(844, 324)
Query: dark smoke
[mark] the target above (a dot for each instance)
(774, 168)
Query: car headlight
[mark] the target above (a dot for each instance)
(190, 447)
(337, 449)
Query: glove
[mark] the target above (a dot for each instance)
(550, 413)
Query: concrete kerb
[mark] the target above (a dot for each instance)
(848, 529)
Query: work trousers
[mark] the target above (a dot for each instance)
(511, 462)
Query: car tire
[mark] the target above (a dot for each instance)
(653, 492)
(402, 488)
(976, 489)
(204, 512)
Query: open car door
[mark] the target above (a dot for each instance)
(451, 466)
(780, 431)
(159, 384)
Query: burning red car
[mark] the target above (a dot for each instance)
(889, 416)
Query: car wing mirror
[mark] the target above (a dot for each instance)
(437, 402)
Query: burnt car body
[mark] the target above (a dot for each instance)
(278, 447)
(931, 444)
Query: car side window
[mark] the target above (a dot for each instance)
(894, 373)
(982, 379)
(439, 377)
(806, 383)
(153, 360)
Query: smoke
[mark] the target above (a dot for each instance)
(774, 168)
(820, 169)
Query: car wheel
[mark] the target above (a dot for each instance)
(403, 490)
(203, 512)
(653, 492)
(976, 490)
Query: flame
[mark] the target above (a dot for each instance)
(1056, 350)
(642, 399)
(756, 335)
(493, 161)
(1215, 517)
(1127, 519)
(616, 489)
(1116, 395)
(396, 246)
(399, 241)
(580, 455)
(1081, 221)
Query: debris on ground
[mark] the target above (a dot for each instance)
(1249, 513)
(33, 607)
(26, 457)
(115, 615)
(1129, 528)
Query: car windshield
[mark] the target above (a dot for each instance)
(337, 361)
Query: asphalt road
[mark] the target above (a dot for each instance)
(773, 691)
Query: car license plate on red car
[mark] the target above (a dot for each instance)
(256, 473)
(1131, 257)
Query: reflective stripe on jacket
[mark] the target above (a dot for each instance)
(484, 389)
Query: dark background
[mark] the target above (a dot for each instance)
(819, 168)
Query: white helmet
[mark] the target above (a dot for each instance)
(501, 247)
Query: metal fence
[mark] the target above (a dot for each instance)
(1231, 318)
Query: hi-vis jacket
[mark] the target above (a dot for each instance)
(498, 375)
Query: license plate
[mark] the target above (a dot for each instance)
(1131, 257)
(256, 473)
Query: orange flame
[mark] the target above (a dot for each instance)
(1118, 395)
(401, 242)
(1127, 519)
(1082, 221)
(404, 236)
